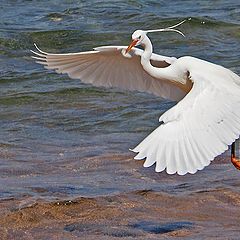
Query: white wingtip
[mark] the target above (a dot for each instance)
(39, 54)
(132, 150)
(35, 45)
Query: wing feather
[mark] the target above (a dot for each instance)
(107, 67)
(172, 165)
(161, 163)
(198, 128)
(184, 155)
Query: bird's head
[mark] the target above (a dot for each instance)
(139, 35)
(137, 38)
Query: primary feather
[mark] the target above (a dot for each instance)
(107, 67)
(200, 126)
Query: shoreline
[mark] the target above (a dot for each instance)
(143, 214)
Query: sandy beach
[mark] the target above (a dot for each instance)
(207, 213)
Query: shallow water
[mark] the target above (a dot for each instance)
(62, 139)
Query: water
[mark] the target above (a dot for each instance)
(60, 138)
(64, 145)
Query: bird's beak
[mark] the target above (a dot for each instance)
(131, 45)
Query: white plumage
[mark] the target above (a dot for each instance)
(106, 66)
(195, 130)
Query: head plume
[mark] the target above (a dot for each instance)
(168, 29)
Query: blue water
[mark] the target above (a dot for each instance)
(61, 138)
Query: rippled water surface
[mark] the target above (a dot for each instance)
(61, 138)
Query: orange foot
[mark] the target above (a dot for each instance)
(235, 162)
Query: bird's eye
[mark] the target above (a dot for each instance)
(139, 37)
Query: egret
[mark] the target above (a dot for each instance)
(201, 126)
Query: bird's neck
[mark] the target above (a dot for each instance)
(148, 49)
(163, 73)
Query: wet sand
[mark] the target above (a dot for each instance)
(212, 212)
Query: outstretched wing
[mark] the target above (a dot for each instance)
(198, 128)
(107, 67)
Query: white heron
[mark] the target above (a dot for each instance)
(193, 132)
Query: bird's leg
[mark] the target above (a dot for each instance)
(234, 160)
